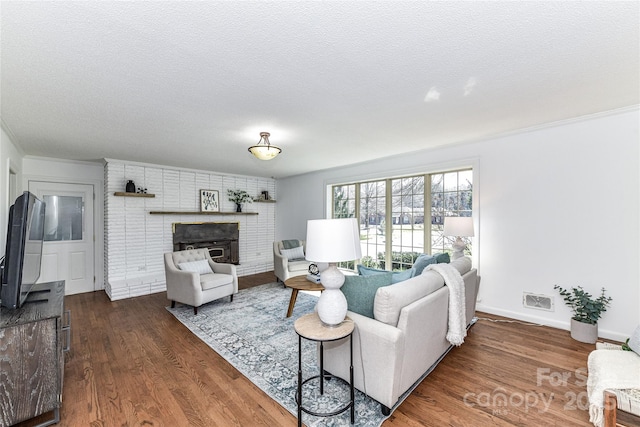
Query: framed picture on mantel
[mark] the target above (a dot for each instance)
(209, 201)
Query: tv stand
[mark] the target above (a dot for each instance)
(37, 295)
(34, 339)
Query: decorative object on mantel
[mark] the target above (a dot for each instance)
(209, 201)
(332, 241)
(586, 312)
(264, 198)
(459, 226)
(263, 150)
(130, 187)
(239, 197)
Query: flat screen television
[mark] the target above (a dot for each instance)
(23, 252)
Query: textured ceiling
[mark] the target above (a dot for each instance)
(192, 84)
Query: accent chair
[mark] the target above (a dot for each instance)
(285, 264)
(193, 278)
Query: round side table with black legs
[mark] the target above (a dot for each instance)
(310, 327)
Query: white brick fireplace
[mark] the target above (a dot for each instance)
(135, 240)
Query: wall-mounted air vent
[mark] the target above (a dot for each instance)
(539, 302)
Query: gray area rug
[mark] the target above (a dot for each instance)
(253, 334)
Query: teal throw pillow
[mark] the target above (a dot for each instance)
(421, 262)
(401, 276)
(360, 291)
(398, 276)
(442, 258)
(368, 271)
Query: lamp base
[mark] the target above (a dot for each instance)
(458, 249)
(332, 305)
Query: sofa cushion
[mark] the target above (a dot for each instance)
(389, 300)
(360, 291)
(421, 262)
(215, 280)
(296, 253)
(200, 267)
(397, 276)
(298, 265)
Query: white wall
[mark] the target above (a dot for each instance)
(136, 240)
(553, 205)
(10, 159)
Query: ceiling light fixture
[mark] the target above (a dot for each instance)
(263, 150)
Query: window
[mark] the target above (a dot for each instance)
(392, 214)
(451, 195)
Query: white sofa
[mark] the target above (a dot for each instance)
(406, 339)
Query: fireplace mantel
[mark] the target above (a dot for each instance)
(200, 213)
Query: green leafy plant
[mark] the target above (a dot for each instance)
(239, 196)
(585, 308)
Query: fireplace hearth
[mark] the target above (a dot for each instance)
(221, 238)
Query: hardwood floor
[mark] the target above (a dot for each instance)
(132, 364)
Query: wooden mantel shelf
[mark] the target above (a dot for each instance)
(123, 194)
(200, 213)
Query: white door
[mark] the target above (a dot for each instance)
(67, 252)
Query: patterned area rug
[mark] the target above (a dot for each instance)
(253, 334)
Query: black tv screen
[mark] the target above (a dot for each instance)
(23, 252)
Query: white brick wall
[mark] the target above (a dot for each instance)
(135, 241)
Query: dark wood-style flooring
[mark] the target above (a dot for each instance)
(133, 364)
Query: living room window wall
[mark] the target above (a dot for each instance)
(391, 213)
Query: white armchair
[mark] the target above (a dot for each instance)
(284, 267)
(193, 278)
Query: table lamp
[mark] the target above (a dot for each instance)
(332, 241)
(460, 226)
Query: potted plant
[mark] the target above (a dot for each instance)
(239, 197)
(586, 312)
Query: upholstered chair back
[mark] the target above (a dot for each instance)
(190, 255)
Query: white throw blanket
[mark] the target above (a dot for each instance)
(457, 311)
(609, 369)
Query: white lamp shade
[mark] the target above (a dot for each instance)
(333, 240)
(458, 226)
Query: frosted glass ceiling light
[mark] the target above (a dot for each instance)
(263, 150)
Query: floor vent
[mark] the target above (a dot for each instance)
(539, 302)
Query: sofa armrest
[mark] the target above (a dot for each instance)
(279, 264)
(225, 268)
(378, 351)
(222, 268)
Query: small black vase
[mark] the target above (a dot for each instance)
(131, 187)
(238, 207)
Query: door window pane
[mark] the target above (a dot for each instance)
(63, 218)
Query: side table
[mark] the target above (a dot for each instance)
(300, 283)
(310, 327)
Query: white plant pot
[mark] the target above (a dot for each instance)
(584, 332)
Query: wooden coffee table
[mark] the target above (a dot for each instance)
(300, 283)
